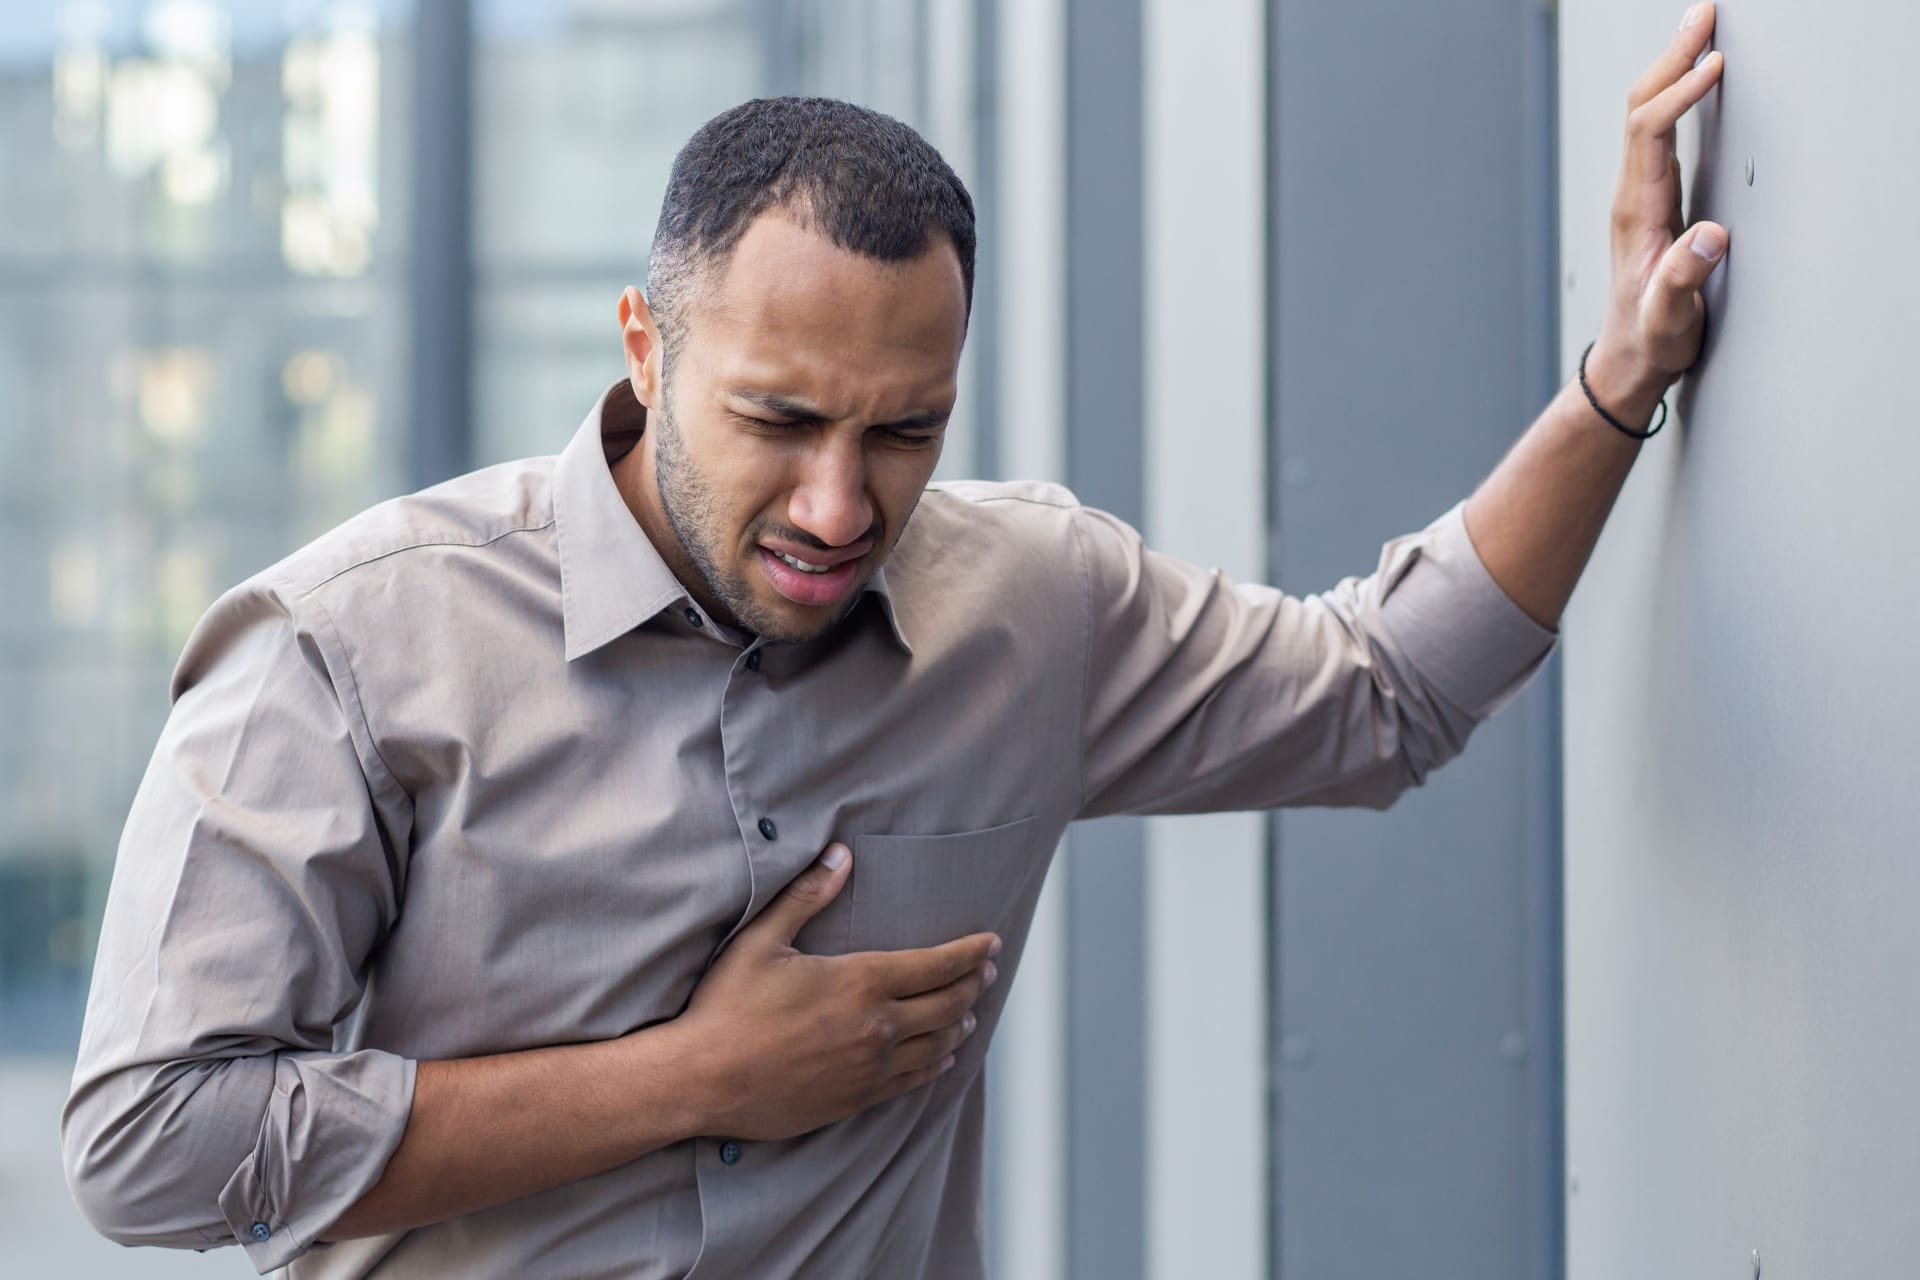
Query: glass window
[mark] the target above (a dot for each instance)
(580, 107)
(200, 342)
(204, 331)
(202, 354)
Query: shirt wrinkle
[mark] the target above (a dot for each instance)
(352, 709)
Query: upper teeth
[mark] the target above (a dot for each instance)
(802, 565)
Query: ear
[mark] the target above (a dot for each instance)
(640, 335)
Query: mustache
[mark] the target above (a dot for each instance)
(805, 539)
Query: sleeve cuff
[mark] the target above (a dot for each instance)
(1455, 625)
(332, 1123)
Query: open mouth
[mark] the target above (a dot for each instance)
(805, 582)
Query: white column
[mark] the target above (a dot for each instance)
(1206, 353)
(1028, 1089)
(1032, 124)
(952, 112)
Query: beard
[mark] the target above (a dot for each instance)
(693, 511)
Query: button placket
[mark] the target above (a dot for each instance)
(780, 831)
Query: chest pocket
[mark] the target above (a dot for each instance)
(920, 891)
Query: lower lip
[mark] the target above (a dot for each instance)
(809, 588)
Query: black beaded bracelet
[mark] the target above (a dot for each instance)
(1612, 421)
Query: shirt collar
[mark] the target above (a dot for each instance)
(883, 597)
(612, 578)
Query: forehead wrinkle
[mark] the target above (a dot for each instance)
(768, 345)
(830, 384)
(774, 402)
(901, 409)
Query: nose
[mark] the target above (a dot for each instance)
(831, 500)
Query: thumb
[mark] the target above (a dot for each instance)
(805, 895)
(1673, 310)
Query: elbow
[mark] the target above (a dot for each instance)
(1417, 758)
(1404, 754)
(112, 1202)
(1427, 734)
(120, 1217)
(1382, 787)
(135, 1167)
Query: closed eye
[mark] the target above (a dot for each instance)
(910, 438)
(915, 432)
(773, 425)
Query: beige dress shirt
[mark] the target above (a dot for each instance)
(473, 773)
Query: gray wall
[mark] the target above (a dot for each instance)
(1416, 1021)
(1743, 1016)
(1105, 884)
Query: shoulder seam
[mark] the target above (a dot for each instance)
(1021, 497)
(1067, 505)
(425, 542)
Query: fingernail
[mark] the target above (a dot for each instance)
(993, 948)
(1708, 244)
(968, 1023)
(1693, 16)
(946, 1063)
(835, 857)
(993, 971)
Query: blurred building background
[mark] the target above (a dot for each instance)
(1274, 280)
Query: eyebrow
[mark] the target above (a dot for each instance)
(800, 412)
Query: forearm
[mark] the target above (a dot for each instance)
(483, 1131)
(1536, 518)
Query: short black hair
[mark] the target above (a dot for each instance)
(865, 180)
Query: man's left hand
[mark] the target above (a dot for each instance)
(1655, 314)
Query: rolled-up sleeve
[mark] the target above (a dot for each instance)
(1205, 695)
(216, 1098)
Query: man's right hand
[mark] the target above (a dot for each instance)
(774, 1044)
(790, 1042)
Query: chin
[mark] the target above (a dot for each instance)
(797, 624)
(782, 621)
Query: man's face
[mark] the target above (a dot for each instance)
(801, 418)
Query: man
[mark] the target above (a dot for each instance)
(473, 918)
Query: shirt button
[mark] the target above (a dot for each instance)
(753, 660)
(729, 1152)
(261, 1231)
(693, 617)
(768, 830)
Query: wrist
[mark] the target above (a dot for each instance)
(669, 1063)
(1626, 385)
